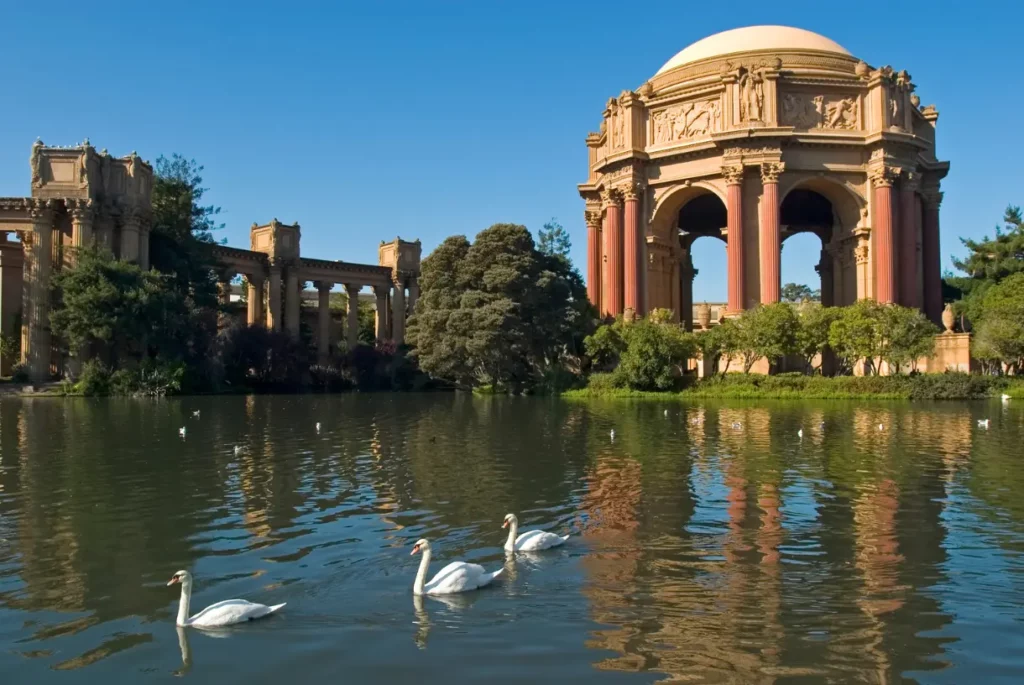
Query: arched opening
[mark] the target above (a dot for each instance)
(704, 216)
(804, 214)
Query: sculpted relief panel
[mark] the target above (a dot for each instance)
(829, 112)
(688, 120)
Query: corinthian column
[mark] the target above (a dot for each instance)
(734, 236)
(131, 219)
(292, 295)
(352, 317)
(885, 252)
(931, 263)
(398, 311)
(255, 300)
(909, 275)
(381, 291)
(770, 245)
(35, 322)
(612, 298)
(631, 251)
(593, 219)
(82, 216)
(323, 337)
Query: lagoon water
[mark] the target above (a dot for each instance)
(701, 552)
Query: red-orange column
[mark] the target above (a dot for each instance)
(594, 258)
(770, 246)
(885, 257)
(631, 251)
(907, 257)
(734, 235)
(613, 253)
(931, 262)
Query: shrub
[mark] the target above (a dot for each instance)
(329, 379)
(19, 373)
(600, 382)
(94, 380)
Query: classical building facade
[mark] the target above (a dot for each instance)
(751, 136)
(81, 196)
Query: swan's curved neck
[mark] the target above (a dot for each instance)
(186, 597)
(421, 575)
(513, 528)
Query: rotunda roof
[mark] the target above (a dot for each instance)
(750, 39)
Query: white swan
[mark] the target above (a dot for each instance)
(982, 423)
(225, 613)
(181, 431)
(531, 540)
(457, 576)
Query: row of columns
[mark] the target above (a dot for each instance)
(614, 265)
(390, 320)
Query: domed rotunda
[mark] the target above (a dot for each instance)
(751, 136)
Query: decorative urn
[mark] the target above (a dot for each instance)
(704, 316)
(948, 318)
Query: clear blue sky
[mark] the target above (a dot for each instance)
(363, 121)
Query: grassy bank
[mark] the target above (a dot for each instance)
(946, 386)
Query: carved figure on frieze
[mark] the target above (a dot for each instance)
(841, 114)
(35, 161)
(686, 121)
(619, 137)
(751, 95)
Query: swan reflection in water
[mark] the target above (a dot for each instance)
(186, 647)
(455, 604)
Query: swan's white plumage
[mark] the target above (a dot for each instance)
(531, 540)
(458, 576)
(225, 613)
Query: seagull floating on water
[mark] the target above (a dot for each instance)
(238, 449)
(982, 423)
(317, 426)
(181, 431)
(800, 433)
(881, 426)
(612, 434)
(196, 413)
(666, 412)
(1004, 397)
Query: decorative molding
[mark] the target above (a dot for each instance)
(820, 112)
(860, 253)
(770, 171)
(685, 121)
(733, 174)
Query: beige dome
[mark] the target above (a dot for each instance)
(750, 39)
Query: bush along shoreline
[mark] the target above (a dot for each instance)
(942, 386)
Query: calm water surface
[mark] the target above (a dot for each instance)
(701, 551)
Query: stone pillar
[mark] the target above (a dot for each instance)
(274, 298)
(907, 252)
(593, 219)
(632, 266)
(771, 247)
(686, 274)
(931, 261)
(398, 312)
(82, 216)
(131, 219)
(824, 269)
(414, 294)
(381, 291)
(612, 297)
(255, 316)
(291, 301)
(144, 230)
(885, 257)
(352, 317)
(12, 262)
(323, 334)
(734, 235)
(35, 308)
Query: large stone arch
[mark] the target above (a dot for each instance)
(846, 209)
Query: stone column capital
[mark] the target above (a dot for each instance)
(770, 171)
(353, 288)
(81, 209)
(611, 197)
(381, 290)
(910, 180)
(630, 191)
(733, 174)
(931, 199)
(323, 285)
(593, 218)
(40, 210)
(884, 176)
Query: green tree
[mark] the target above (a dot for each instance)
(796, 292)
(605, 346)
(988, 262)
(907, 336)
(110, 302)
(498, 311)
(766, 331)
(856, 334)
(553, 240)
(811, 338)
(1000, 333)
(646, 354)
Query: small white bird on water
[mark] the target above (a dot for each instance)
(983, 423)
(881, 426)
(181, 431)
(238, 449)
(225, 613)
(666, 412)
(317, 426)
(196, 413)
(612, 434)
(531, 540)
(1004, 397)
(800, 433)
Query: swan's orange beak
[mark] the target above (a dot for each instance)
(504, 524)
(173, 580)
(416, 548)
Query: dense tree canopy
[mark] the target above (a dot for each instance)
(498, 311)
(880, 333)
(553, 240)
(988, 262)
(797, 292)
(999, 335)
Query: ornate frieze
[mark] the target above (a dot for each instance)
(825, 111)
(687, 120)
